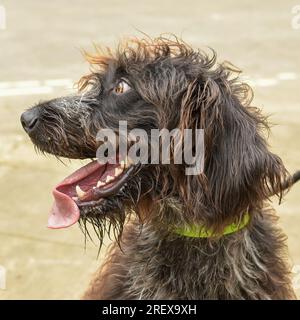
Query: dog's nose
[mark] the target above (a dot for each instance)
(29, 120)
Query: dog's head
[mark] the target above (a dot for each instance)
(157, 84)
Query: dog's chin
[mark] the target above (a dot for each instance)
(107, 217)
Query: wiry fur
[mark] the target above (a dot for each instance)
(250, 264)
(175, 86)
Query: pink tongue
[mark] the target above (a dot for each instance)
(64, 212)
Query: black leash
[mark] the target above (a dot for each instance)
(295, 177)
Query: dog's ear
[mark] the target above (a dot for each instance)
(239, 171)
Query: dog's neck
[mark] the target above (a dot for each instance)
(245, 264)
(166, 215)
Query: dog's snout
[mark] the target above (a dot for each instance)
(29, 120)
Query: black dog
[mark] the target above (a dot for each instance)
(205, 236)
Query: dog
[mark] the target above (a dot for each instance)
(211, 235)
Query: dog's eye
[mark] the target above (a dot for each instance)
(121, 87)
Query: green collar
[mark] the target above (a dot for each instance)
(200, 232)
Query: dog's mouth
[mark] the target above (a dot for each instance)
(87, 187)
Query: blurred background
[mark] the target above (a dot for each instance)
(40, 58)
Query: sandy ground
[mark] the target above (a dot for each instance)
(42, 42)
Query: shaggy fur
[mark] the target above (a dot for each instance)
(175, 86)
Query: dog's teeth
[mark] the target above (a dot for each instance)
(122, 164)
(80, 192)
(130, 161)
(126, 163)
(109, 178)
(75, 198)
(100, 184)
(118, 171)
